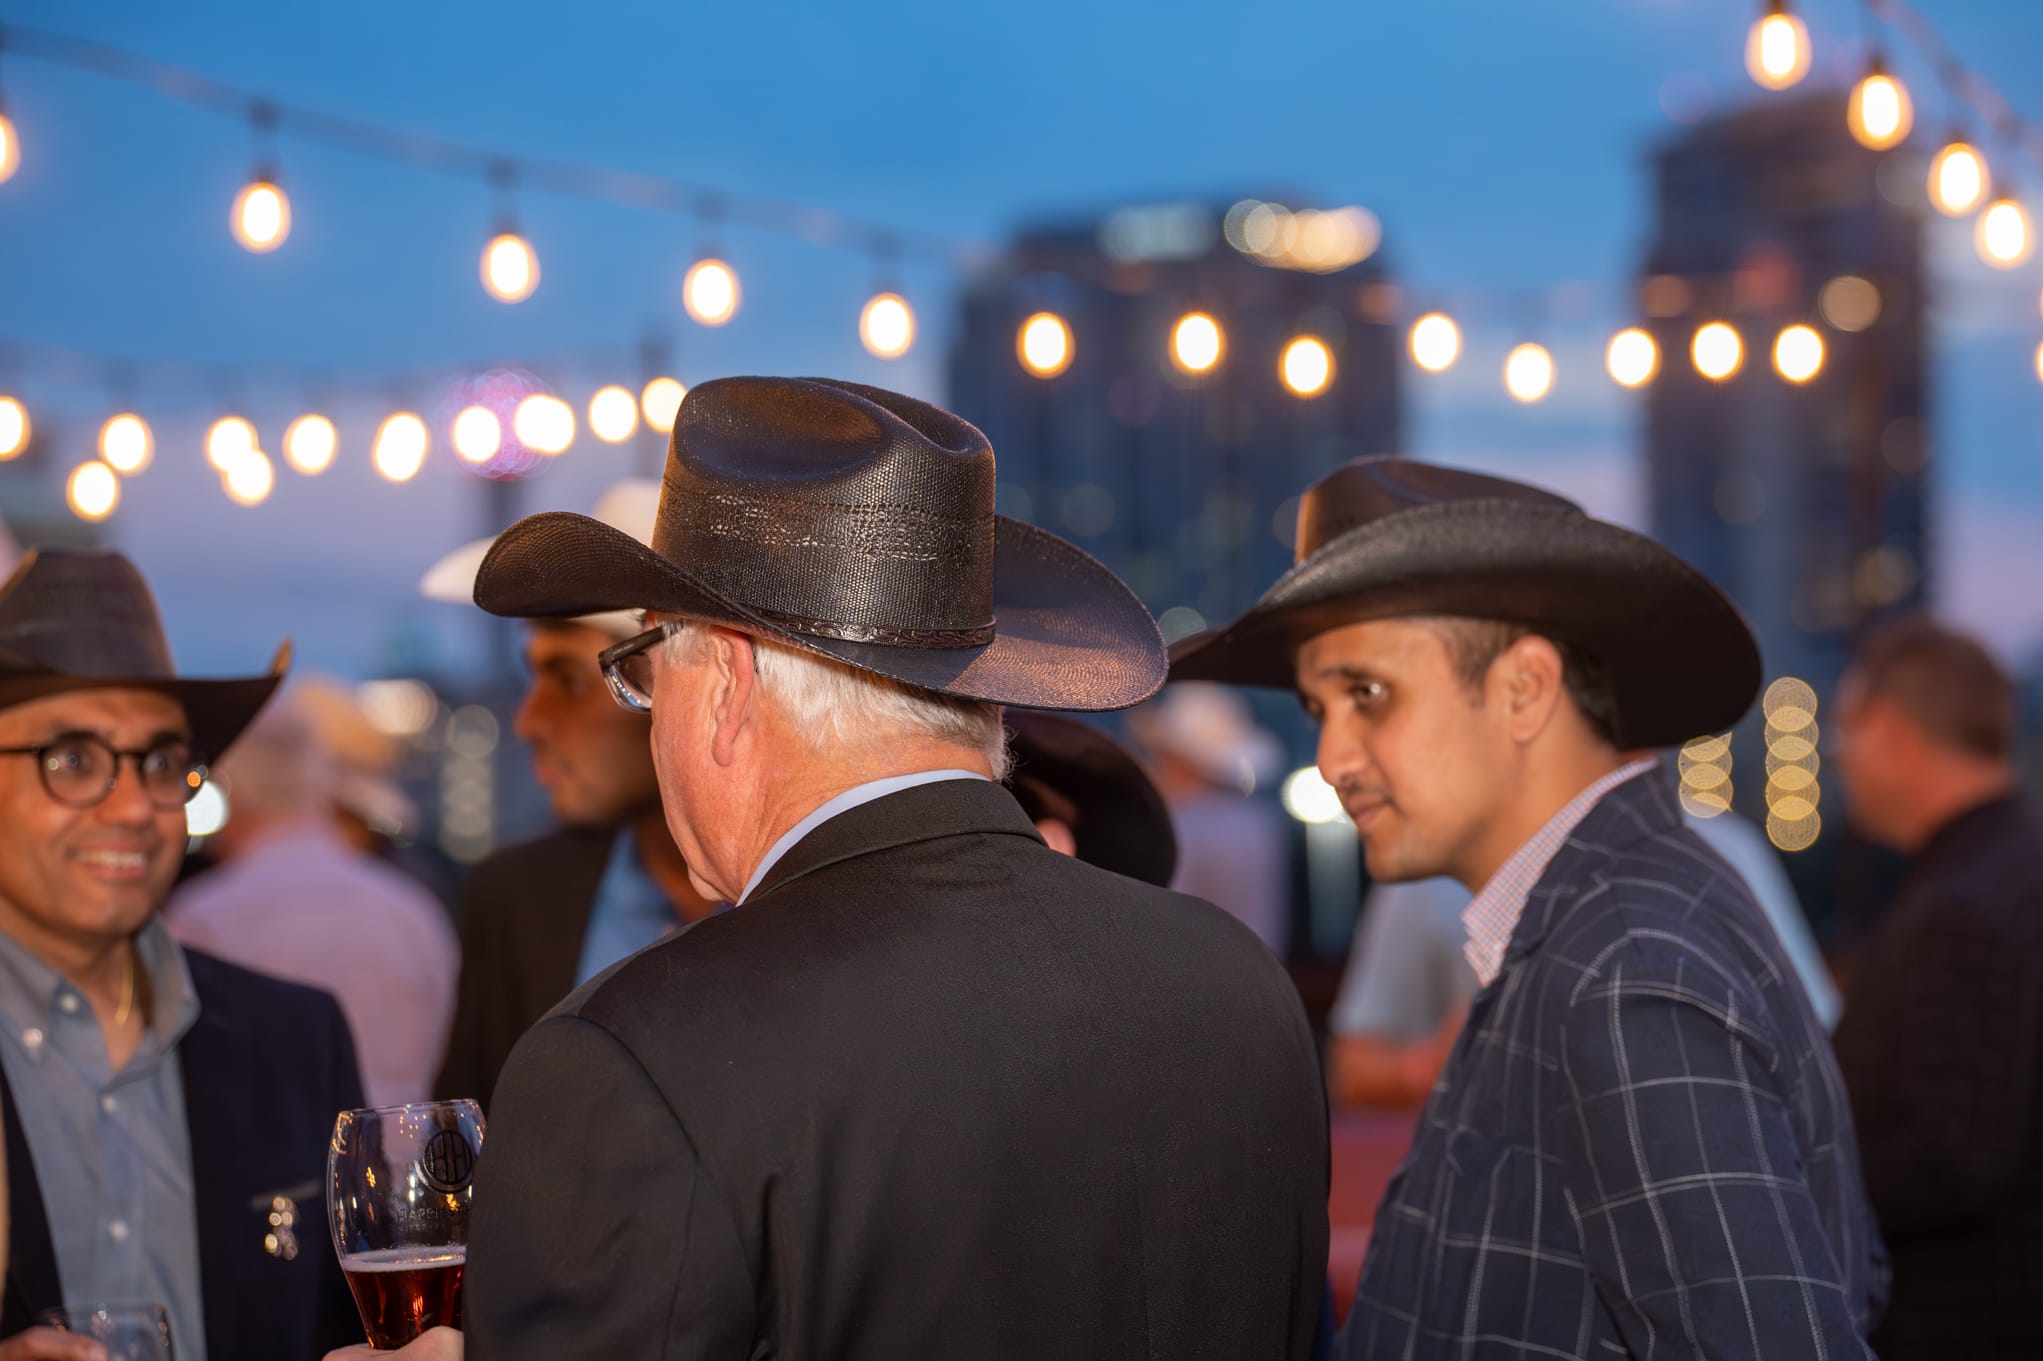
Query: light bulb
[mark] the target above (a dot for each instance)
(2039, 363)
(1632, 358)
(14, 427)
(886, 325)
(401, 444)
(1881, 113)
(262, 216)
(1529, 373)
(126, 444)
(613, 415)
(309, 444)
(710, 292)
(661, 403)
(478, 434)
(1044, 344)
(93, 490)
(510, 267)
(1307, 366)
(544, 423)
(1195, 343)
(228, 441)
(1798, 354)
(1717, 351)
(1777, 48)
(1436, 342)
(249, 481)
(10, 150)
(2003, 234)
(1957, 178)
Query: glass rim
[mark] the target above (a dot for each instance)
(110, 1308)
(407, 1106)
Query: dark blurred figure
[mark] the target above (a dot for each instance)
(166, 1113)
(1942, 1038)
(294, 897)
(546, 915)
(1089, 798)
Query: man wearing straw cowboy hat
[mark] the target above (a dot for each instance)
(1640, 1144)
(929, 1088)
(166, 1113)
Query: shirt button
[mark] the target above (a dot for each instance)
(32, 1039)
(68, 1003)
(108, 1104)
(118, 1231)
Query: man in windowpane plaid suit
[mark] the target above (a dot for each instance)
(1640, 1145)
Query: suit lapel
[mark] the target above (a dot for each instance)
(217, 1101)
(32, 1283)
(922, 813)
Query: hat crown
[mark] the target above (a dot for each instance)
(85, 613)
(834, 508)
(1365, 490)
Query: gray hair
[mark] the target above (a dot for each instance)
(833, 705)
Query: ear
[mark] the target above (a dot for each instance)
(1058, 836)
(1527, 679)
(734, 705)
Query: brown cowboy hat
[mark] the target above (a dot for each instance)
(1382, 538)
(72, 620)
(857, 524)
(1117, 818)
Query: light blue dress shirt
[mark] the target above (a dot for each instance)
(844, 803)
(630, 911)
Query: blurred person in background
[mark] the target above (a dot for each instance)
(1942, 1038)
(1639, 1144)
(1090, 798)
(1408, 982)
(292, 896)
(1208, 756)
(166, 1113)
(541, 917)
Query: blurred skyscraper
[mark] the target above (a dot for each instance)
(1807, 502)
(1185, 483)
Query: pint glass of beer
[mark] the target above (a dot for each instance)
(398, 1183)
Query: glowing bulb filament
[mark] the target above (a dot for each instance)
(262, 217)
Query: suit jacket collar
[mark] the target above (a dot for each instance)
(924, 813)
(1640, 808)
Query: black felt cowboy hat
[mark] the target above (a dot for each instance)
(1381, 538)
(858, 524)
(72, 620)
(1077, 774)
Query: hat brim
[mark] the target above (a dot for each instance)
(1681, 658)
(1122, 823)
(217, 710)
(1067, 633)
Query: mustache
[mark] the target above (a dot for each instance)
(1354, 791)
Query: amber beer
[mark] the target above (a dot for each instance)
(401, 1292)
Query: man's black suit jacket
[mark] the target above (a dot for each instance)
(932, 1091)
(1941, 1047)
(524, 911)
(266, 1067)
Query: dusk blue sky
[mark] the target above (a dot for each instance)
(1503, 143)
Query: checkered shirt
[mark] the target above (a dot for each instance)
(1492, 915)
(1640, 1145)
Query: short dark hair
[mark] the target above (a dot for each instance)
(1944, 680)
(1474, 644)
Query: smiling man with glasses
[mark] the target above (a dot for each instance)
(164, 1111)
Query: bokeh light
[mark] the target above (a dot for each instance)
(2004, 235)
(1632, 357)
(1529, 372)
(228, 441)
(1777, 48)
(310, 443)
(1881, 113)
(544, 424)
(1849, 303)
(261, 217)
(613, 415)
(1436, 342)
(1957, 178)
(93, 490)
(401, 445)
(710, 292)
(10, 150)
(1307, 366)
(1309, 798)
(1705, 769)
(886, 325)
(1044, 344)
(477, 434)
(207, 812)
(1798, 354)
(14, 427)
(1717, 351)
(510, 267)
(1195, 343)
(251, 478)
(661, 402)
(127, 445)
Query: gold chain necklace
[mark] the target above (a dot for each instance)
(127, 1006)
